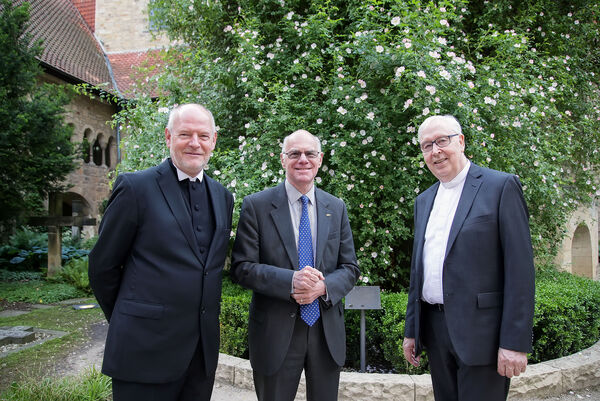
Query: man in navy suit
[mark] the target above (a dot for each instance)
(157, 266)
(471, 297)
(296, 315)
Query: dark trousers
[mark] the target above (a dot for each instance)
(308, 350)
(194, 385)
(452, 379)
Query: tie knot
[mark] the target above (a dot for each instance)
(304, 199)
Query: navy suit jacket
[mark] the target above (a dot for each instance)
(146, 272)
(264, 259)
(488, 276)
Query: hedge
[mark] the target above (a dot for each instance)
(567, 320)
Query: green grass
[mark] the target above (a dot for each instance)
(89, 386)
(39, 361)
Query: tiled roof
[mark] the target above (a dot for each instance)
(69, 44)
(126, 75)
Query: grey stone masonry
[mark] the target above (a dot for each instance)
(16, 335)
(573, 372)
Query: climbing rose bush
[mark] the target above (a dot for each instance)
(362, 75)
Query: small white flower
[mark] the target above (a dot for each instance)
(379, 49)
(371, 115)
(342, 110)
(396, 21)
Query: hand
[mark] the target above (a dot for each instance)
(306, 278)
(304, 297)
(309, 284)
(408, 345)
(511, 363)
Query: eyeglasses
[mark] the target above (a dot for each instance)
(296, 154)
(441, 142)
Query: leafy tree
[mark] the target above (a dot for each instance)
(362, 75)
(35, 148)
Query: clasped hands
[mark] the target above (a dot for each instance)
(308, 284)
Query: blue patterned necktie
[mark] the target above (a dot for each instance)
(309, 313)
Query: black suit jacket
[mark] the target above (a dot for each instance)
(147, 275)
(488, 276)
(264, 259)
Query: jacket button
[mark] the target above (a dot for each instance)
(292, 314)
(203, 309)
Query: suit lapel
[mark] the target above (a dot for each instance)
(283, 223)
(470, 189)
(323, 223)
(170, 190)
(219, 213)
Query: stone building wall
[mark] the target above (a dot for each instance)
(579, 250)
(122, 26)
(90, 119)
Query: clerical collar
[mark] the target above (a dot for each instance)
(183, 176)
(460, 177)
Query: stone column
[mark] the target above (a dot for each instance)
(54, 235)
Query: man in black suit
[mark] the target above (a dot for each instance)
(157, 266)
(296, 315)
(471, 297)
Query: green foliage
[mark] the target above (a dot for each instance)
(27, 250)
(7, 275)
(235, 301)
(567, 315)
(36, 152)
(38, 292)
(89, 386)
(234, 324)
(75, 273)
(362, 75)
(567, 320)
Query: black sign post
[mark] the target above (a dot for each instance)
(363, 298)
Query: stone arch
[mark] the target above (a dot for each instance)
(97, 150)
(74, 204)
(582, 259)
(110, 153)
(86, 145)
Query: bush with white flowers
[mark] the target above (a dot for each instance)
(362, 75)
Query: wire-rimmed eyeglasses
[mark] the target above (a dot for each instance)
(296, 154)
(441, 142)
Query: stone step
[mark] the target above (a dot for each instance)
(16, 335)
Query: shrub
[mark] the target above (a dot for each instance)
(363, 75)
(567, 320)
(75, 273)
(235, 302)
(567, 315)
(234, 324)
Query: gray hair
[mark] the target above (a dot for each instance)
(303, 131)
(176, 111)
(450, 123)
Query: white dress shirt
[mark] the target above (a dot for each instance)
(436, 235)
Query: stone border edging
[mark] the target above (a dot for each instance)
(573, 372)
